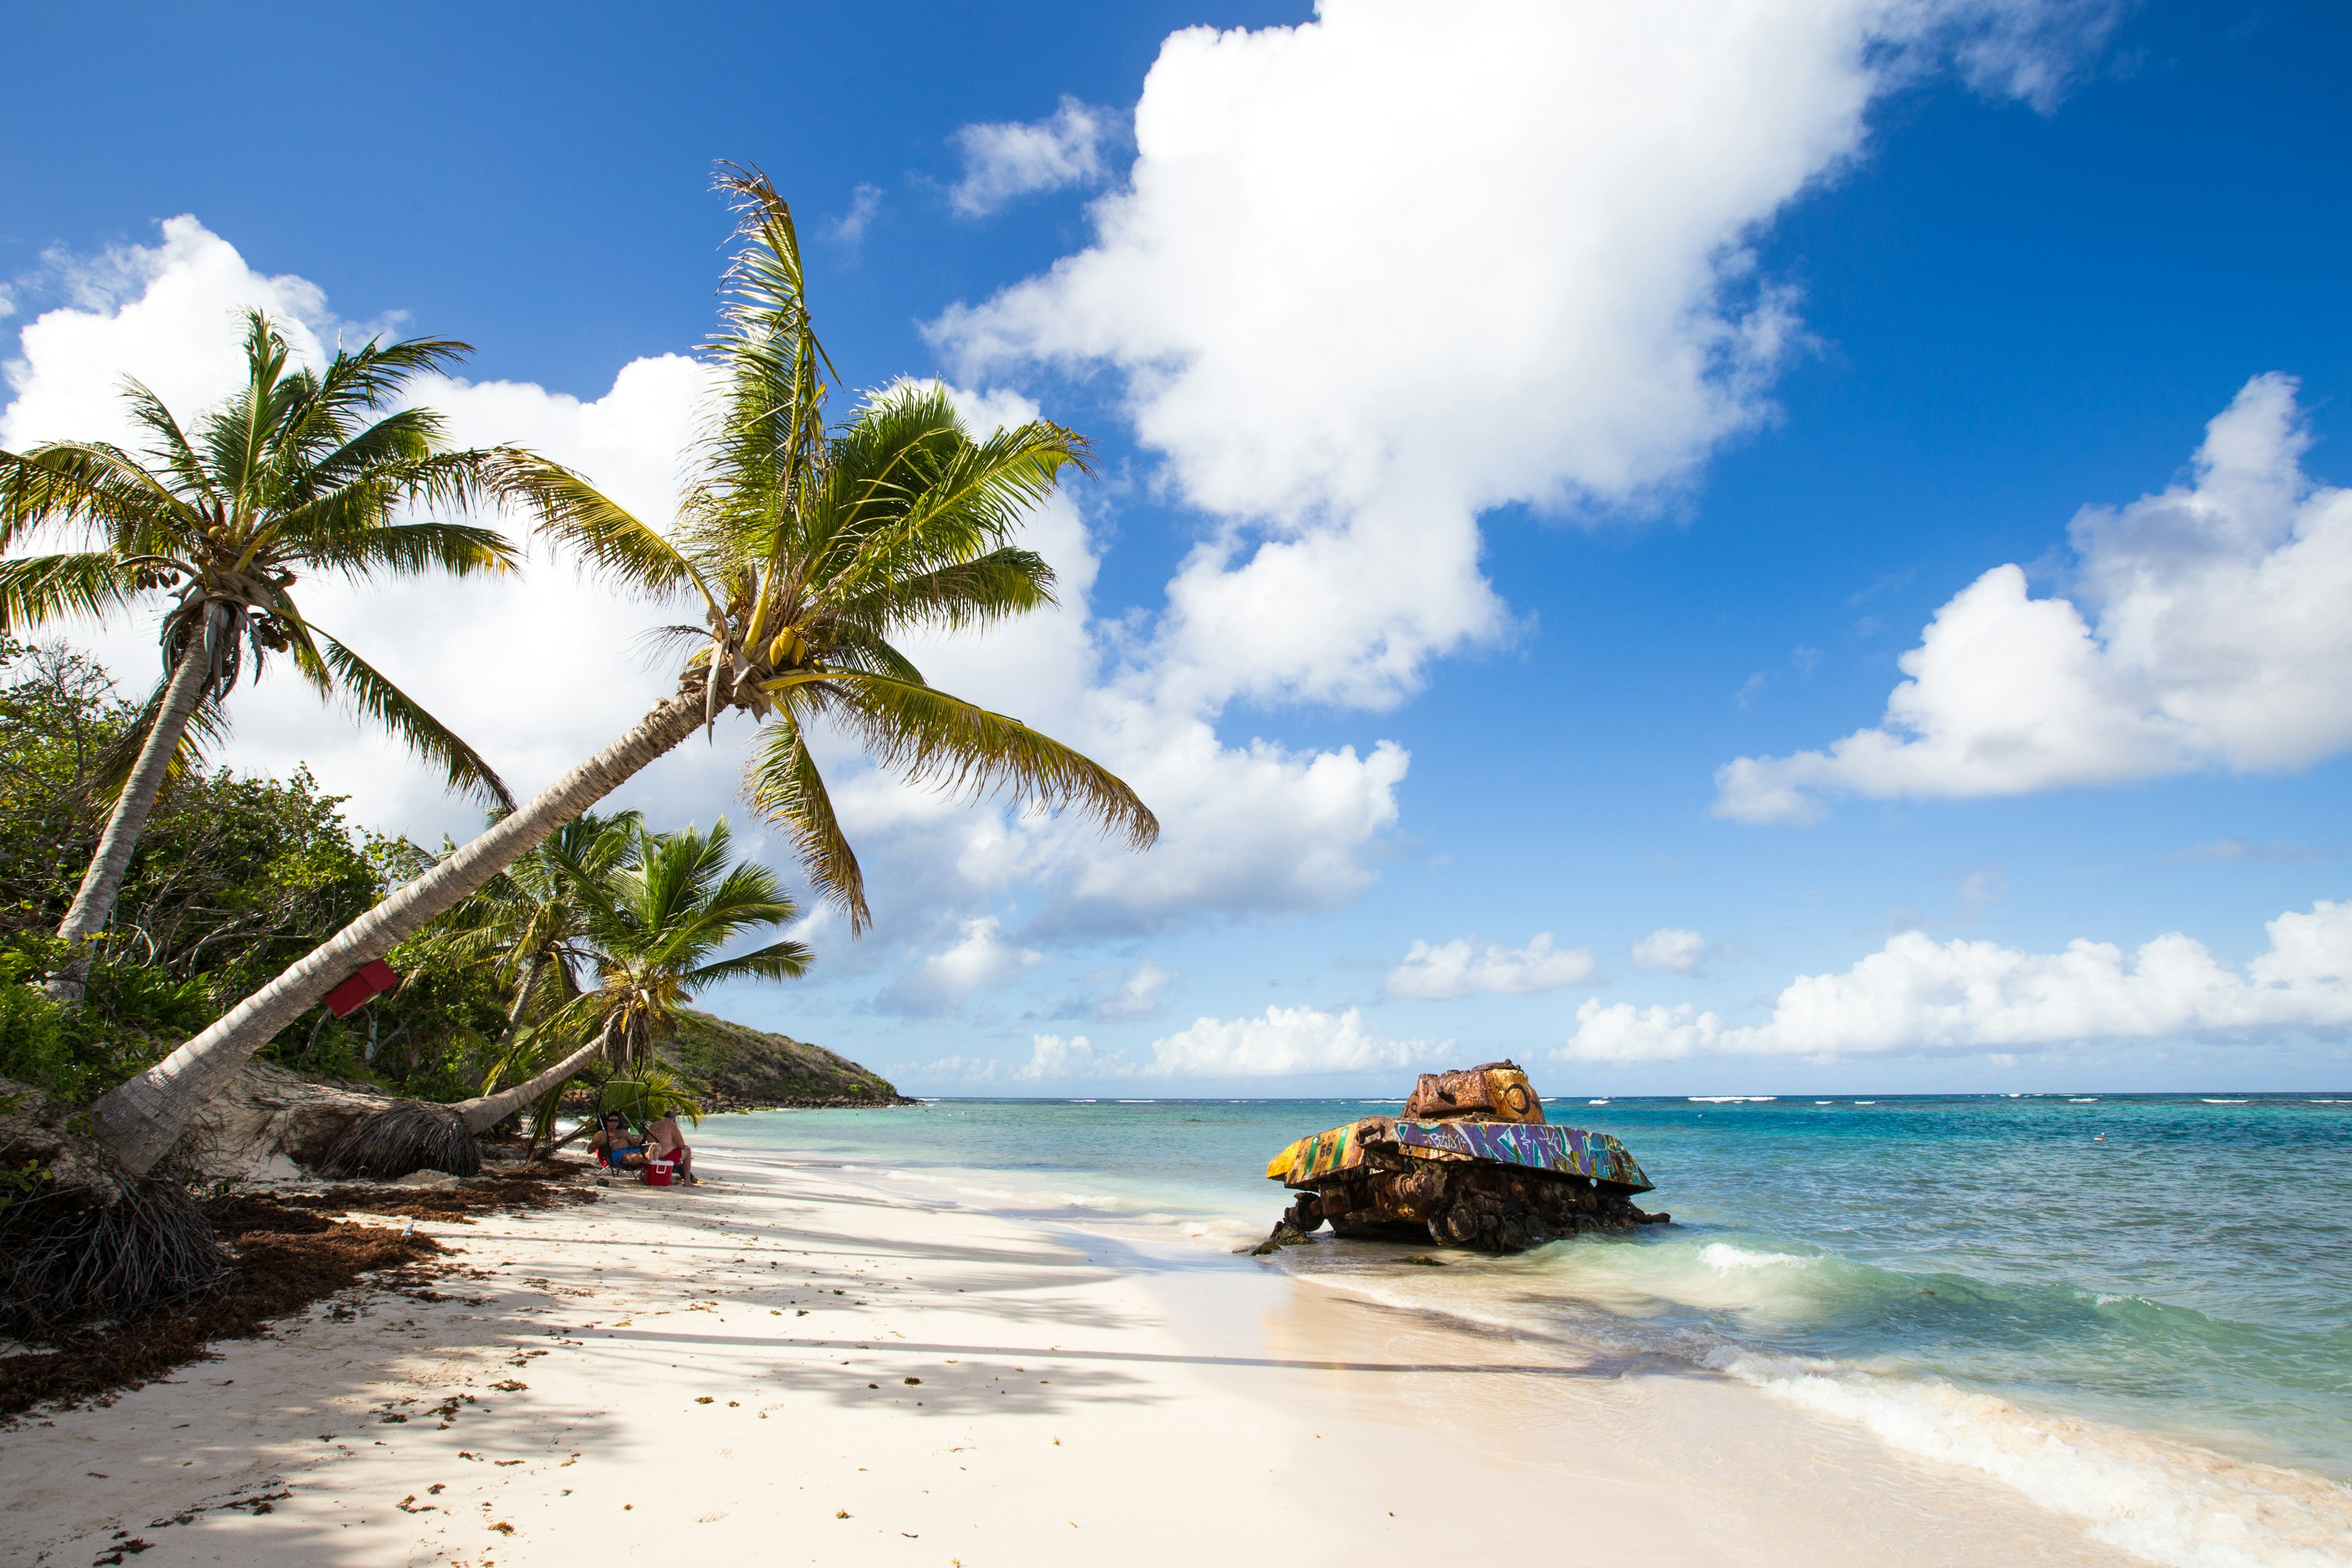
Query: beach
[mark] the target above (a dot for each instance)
(787, 1364)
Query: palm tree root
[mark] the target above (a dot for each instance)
(82, 1255)
(287, 1260)
(402, 1138)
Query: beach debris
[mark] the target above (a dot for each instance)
(81, 1243)
(406, 1139)
(1471, 1163)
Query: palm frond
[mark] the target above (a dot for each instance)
(411, 549)
(926, 736)
(777, 961)
(853, 646)
(605, 536)
(235, 435)
(784, 786)
(59, 483)
(403, 435)
(380, 699)
(328, 523)
(674, 875)
(926, 495)
(172, 446)
(963, 596)
(310, 659)
(358, 380)
(37, 589)
(747, 896)
(765, 441)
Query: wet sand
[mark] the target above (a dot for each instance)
(782, 1366)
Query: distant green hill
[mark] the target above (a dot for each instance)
(736, 1067)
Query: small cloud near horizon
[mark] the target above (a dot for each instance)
(1671, 947)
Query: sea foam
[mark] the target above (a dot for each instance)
(2166, 1503)
(1723, 1256)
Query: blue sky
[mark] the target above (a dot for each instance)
(1940, 277)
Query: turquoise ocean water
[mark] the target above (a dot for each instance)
(2136, 1309)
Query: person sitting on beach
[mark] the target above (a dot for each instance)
(614, 1146)
(665, 1142)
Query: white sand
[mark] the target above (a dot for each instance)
(719, 1375)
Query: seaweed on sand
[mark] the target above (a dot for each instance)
(287, 1253)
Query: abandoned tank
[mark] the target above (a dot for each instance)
(1471, 1163)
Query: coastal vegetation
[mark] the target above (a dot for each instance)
(806, 549)
(236, 872)
(300, 473)
(168, 920)
(652, 918)
(232, 875)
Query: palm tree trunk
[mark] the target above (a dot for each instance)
(481, 1115)
(93, 905)
(530, 978)
(139, 1119)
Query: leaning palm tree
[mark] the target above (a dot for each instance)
(528, 924)
(805, 549)
(657, 926)
(299, 474)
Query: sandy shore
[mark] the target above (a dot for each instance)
(782, 1366)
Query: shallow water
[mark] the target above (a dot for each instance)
(2135, 1309)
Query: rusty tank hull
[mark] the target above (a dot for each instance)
(1472, 1163)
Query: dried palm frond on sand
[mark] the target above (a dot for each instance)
(402, 1138)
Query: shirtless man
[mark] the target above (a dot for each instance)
(614, 1144)
(667, 1142)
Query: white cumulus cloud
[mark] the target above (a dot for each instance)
(541, 670)
(1919, 994)
(1283, 1041)
(1374, 274)
(2205, 629)
(1458, 969)
(537, 671)
(1057, 1059)
(982, 959)
(1137, 994)
(1006, 160)
(1671, 947)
